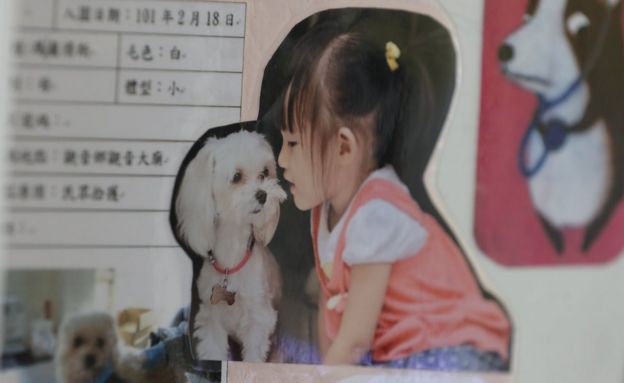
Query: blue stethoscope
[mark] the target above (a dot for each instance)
(555, 131)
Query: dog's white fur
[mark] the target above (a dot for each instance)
(216, 212)
(93, 336)
(572, 186)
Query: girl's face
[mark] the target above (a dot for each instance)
(301, 169)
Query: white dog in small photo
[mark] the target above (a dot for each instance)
(88, 351)
(227, 209)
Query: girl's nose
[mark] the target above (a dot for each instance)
(281, 158)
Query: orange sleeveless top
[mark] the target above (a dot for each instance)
(432, 299)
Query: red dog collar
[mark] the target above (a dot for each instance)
(229, 271)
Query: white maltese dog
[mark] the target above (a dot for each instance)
(227, 208)
(88, 351)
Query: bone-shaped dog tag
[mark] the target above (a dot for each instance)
(220, 293)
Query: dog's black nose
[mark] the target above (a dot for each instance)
(89, 361)
(505, 52)
(261, 196)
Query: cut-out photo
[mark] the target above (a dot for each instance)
(312, 235)
(550, 177)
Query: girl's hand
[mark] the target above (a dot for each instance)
(324, 341)
(359, 320)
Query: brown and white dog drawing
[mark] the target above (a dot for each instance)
(570, 54)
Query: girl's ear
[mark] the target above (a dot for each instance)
(195, 204)
(348, 146)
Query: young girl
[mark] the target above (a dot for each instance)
(395, 289)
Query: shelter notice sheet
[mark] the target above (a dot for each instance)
(107, 98)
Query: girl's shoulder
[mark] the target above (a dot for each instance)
(387, 173)
(385, 184)
(380, 231)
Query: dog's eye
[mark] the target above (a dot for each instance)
(100, 343)
(238, 176)
(264, 174)
(576, 22)
(78, 341)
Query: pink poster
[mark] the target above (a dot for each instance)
(550, 173)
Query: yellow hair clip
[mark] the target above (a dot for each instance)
(392, 54)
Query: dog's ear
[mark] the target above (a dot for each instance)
(264, 232)
(195, 204)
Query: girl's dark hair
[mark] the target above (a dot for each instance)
(341, 79)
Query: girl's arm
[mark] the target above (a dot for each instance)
(359, 320)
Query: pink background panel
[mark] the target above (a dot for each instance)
(507, 228)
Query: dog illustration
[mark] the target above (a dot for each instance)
(226, 211)
(570, 54)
